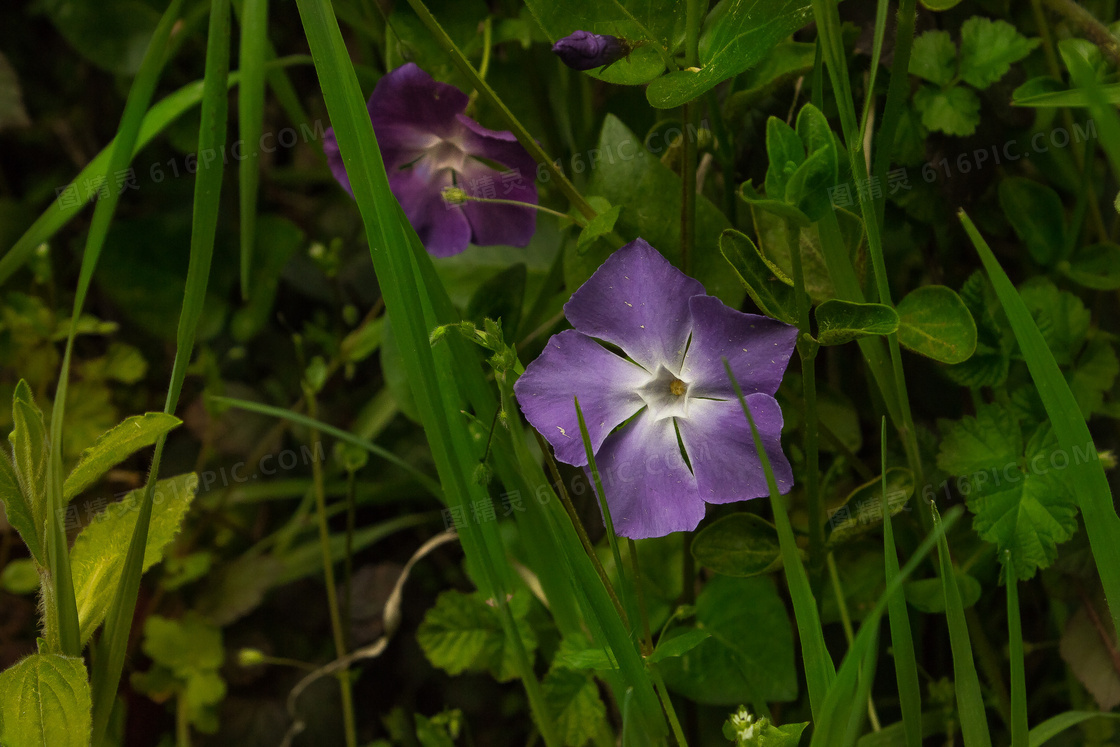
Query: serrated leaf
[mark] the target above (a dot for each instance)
(772, 296)
(1093, 375)
(30, 454)
(934, 321)
(954, 110)
(736, 35)
(98, 555)
(45, 702)
(989, 48)
(1061, 317)
(1021, 503)
(934, 57)
(116, 445)
(842, 321)
(463, 633)
(1035, 212)
(573, 699)
(731, 668)
(739, 544)
(1096, 266)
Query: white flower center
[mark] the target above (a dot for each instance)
(445, 154)
(665, 395)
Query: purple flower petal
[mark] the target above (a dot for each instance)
(443, 229)
(411, 112)
(495, 223)
(650, 491)
(757, 347)
(717, 438)
(334, 160)
(583, 50)
(638, 301)
(575, 365)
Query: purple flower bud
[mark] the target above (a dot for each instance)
(583, 50)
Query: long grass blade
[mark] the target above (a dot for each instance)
(820, 671)
(413, 314)
(250, 120)
(109, 663)
(67, 638)
(1020, 736)
(1085, 477)
(902, 641)
(970, 701)
(300, 419)
(1054, 726)
(162, 115)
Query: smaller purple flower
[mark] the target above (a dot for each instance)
(429, 145)
(583, 50)
(666, 427)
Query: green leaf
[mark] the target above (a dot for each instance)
(601, 225)
(250, 120)
(927, 595)
(99, 552)
(785, 152)
(573, 697)
(938, 5)
(776, 208)
(740, 544)
(20, 576)
(1055, 725)
(736, 36)
(862, 509)
(954, 110)
(17, 508)
(781, 66)
(1052, 99)
(679, 645)
(30, 453)
(1061, 317)
(1020, 498)
(1093, 375)
(113, 447)
(774, 297)
(842, 321)
(45, 702)
(653, 21)
(500, 298)
(1035, 212)
(990, 364)
(729, 667)
(183, 646)
(1096, 266)
(934, 57)
(463, 633)
(649, 194)
(989, 48)
(934, 321)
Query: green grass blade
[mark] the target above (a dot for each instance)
(1020, 736)
(1052, 727)
(902, 641)
(164, 113)
(820, 671)
(1085, 477)
(250, 120)
(431, 369)
(113, 646)
(279, 412)
(970, 701)
(139, 96)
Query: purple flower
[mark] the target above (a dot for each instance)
(428, 144)
(583, 50)
(671, 382)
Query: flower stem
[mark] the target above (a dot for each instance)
(485, 91)
(328, 578)
(807, 350)
(688, 187)
(581, 222)
(667, 704)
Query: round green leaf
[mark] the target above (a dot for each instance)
(934, 321)
(738, 545)
(842, 321)
(1035, 212)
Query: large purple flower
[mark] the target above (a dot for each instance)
(670, 391)
(428, 144)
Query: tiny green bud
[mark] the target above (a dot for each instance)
(454, 196)
(250, 657)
